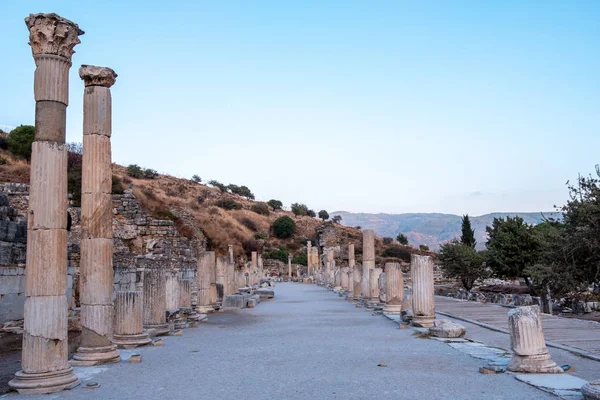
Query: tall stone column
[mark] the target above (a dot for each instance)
(290, 267)
(221, 270)
(374, 284)
(129, 316)
(212, 268)
(230, 253)
(206, 263)
(309, 258)
(261, 271)
(357, 280)
(344, 278)
(527, 342)
(96, 269)
(368, 263)
(254, 268)
(45, 368)
(423, 301)
(394, 291)
(155, 293)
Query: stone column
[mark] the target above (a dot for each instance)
(357, 280)
(221, 270)
(527, 342)
(261, 272)
(344, 278)
(155, 303)
(309, 258)
(44, 364)
(212, 267)
(96, 269)
(129, 316)
(172, 294)
(290, 267)
(230, 253)
(394, 289)
(351, 259)
(423, 301)
(374, 285)
(591, 390)
(185, 295)
(254, 268)
(368, 263)
(206, 264)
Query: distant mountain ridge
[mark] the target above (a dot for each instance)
(432, 229)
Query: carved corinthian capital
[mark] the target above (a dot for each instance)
(97, 76)
(52, 34)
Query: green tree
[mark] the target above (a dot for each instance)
(337, 219)
(512, 247)
(196, 179)
(324, 215)
(260, 208)
(396, 252)
(20, 139)
(243, 191)
(402, 239)
(301, 259)
(299, 209)
(461, 261)
(423, 247)
(218, 184)
(276, 254)
(311, 213)
(284, 227)
(135, 171)
(275, 204)
(468, 234)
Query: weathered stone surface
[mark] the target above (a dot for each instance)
(527, 342)
(423, 301)
(591, 390)
(265, 293)
(394, 282)
(445, 328)
(97, 76)
(235, 301)
(52, 34)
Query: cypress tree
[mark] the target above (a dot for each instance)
(468, 234)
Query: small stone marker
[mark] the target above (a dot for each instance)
(178, 333)
(158, 342)
(92, 385)
(135, 358)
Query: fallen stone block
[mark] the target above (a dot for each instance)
(265, 293)
(444, 328)
(234, 301)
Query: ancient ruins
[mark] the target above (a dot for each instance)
(127, 278)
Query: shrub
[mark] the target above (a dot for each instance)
(299, 209)
(149, 194)
(424, 247)
(150, 173)
(248, 223)
(196, 179)
(337, 219)
(74, 171)
(284, 227)
(387, 241)
(402, 239)
(311, 213)
(117, 186)
(218, 184)
(301, 259)
(276, 254)
(135, 171)
(3, 161)
(260, 208)
(241, 191)
(261, 236)
(3, 143)
(397, 252)
(250, 245)
(275, 204)
(20, 139)
(228, 204)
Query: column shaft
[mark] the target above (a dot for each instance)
(423, 301)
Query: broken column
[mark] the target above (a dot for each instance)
(230, 253)
(368, 263)
(44, 366)
(591, 390)
(290, 267)
(254, 268)
(155, 303)
(221, 272)
(344, 278)
(527, 342)
(129, 315)
(374, 285)
(172, 293)
(309, 256)
(357, 280)
(394, 289)
(423, 301)
(261, 272)
(96, 266)
(206, 264)
(185, 293)
(214, 298)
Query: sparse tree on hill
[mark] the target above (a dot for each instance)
(460, 261)
(468, 234)
(423, 247)
(299, 210)
(20, 139)
(284, 227)
(218, 185)
(402, 239)
(275, 204)
(311, 213)
(324, 215)
(337, 219)
(196, 179)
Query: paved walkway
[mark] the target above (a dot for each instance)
(579, 336)
(307, 343)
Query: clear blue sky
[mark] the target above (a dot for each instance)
(387, 106)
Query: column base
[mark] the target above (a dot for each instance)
(392, 309)
(423, 321)
(159, 329)
(87, 356)
(535, 364)
(45, 382)
(205, 309)
(131, 341)
(591, 390)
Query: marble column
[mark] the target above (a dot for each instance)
(221, 270)
(315, 259)
(591, 390)
(212, 267)
(309, 256)
(185, 294)
(96, 269)
(254, 268)
(155, 303)
(44, 365)
(394, 289)
(129, 316)
(351, 258)
(230, 253)
(344, 278)
(374, 285)
(206, 264)
(357, 280)
(528, 344)
(172, 294)
(368, 263)
(423, 300)
(290, 267)
(261, 271)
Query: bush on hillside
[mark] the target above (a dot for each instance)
(424, 247)
(402, 239)
(337, 219)
(218, 185)
(196, 179)
(300, 210)
(275, 204)
(397, 252)
(20, 139)
(301, 259)
(324, 215)
(311, 213)
(228, 204)
(260, 208)
(248, 223)
(387, 241)
(276, 254)
(117, 185)
(284, 227)
(243, 191)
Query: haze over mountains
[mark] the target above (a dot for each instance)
(431, 229)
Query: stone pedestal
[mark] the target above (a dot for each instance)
(591, 390)
(96, 269)
(206, 266)
(374, 285)
(368, 262)
(129, 310)
(44, 365)
(527, 342)
(423, 300)
(155, 303)
(394, 290)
